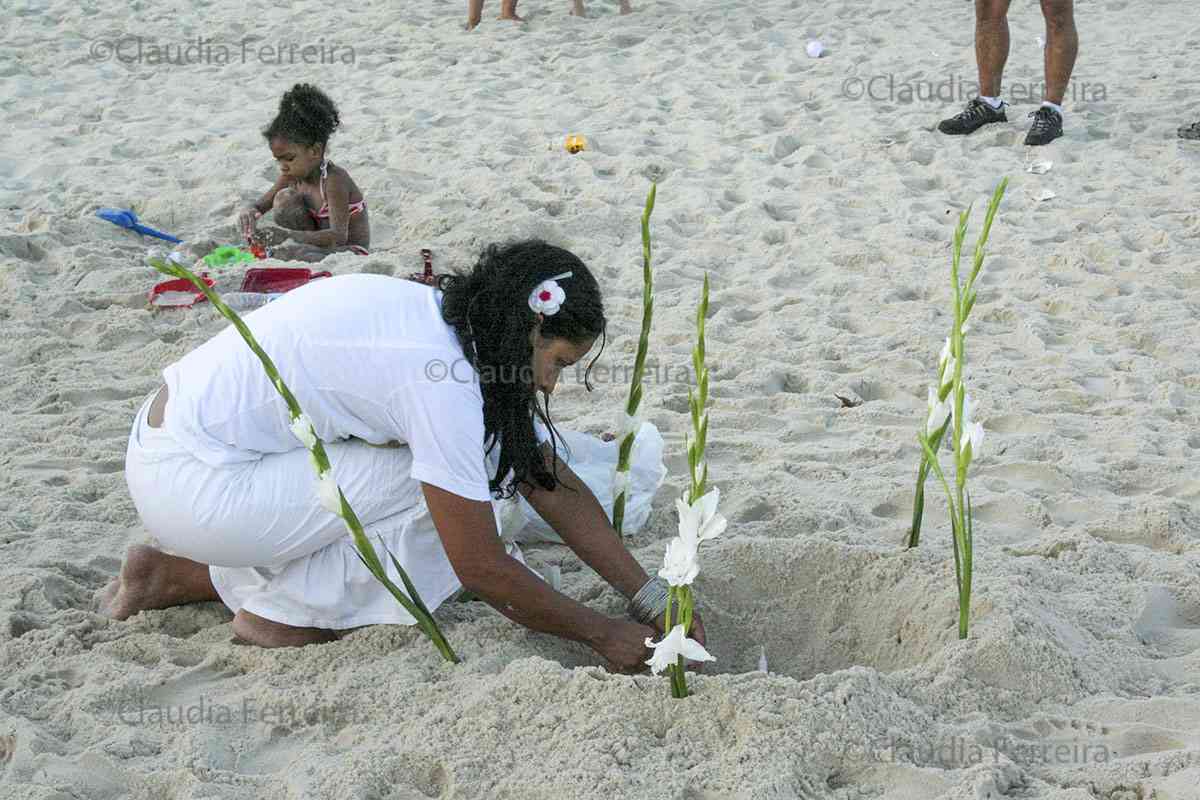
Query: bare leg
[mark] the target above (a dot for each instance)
(625, 7)
(295, 251)
(577, 9)
(291, 212)
(1062, 45)
(991, 44)
(152, 579)
(266, 633)
(474, 13)
(508, 10)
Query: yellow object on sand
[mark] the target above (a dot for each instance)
(575, 143)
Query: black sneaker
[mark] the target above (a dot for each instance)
(1047, 126)
(972, 118)
(1190, 131)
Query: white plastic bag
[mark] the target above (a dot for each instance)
(594, 460)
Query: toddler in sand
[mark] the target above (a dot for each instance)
(318, 208)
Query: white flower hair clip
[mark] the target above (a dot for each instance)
(548, 296)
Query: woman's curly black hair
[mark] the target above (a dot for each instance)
(488, 308)
(306, 116)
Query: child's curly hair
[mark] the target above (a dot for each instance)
(306, 116)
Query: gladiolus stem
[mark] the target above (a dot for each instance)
(914, 533)
(698, 406)
(639, 361)
(954, 356)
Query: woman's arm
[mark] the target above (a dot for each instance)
(467, 529)
(577, 516)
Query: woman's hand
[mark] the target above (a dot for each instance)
(623, 643)
(247, 221)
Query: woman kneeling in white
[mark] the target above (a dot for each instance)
(417, 391)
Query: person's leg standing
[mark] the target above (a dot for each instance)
(1062, 45)
(991, 54)
(991, 44)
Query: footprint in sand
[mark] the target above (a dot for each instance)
(1168, 627)
(1036, 480)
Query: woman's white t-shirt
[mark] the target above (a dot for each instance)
(366, 356)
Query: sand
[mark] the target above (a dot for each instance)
(824, 225)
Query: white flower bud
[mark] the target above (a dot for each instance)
(327, 490)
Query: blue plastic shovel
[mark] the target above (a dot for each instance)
(127, 219)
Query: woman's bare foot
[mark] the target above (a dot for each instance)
(152, 579)
(577, 9)
(625, 7)
(267, 633)
(474, 13)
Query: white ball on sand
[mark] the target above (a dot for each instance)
(814, 48)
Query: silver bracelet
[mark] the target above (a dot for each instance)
(650, 602)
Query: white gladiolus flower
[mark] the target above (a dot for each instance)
(628, 425)
(697, 522)
(938, 411)
(675, 644)
(948, 372)
(303, 429)
(327, 490)
(972, 436)
(700, 520)
(968, 411)
(972, 431)
(944, 356)
(679, 567)
(620, 483)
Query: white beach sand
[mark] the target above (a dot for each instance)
(824, 225)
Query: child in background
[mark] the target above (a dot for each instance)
(508, 10)
(318, 208)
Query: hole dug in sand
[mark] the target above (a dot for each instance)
(819, 607)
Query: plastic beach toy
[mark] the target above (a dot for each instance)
(125, 218)
(427, 277)
(279, 279)
(178, 293)
(575, 143)
(224, 256)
